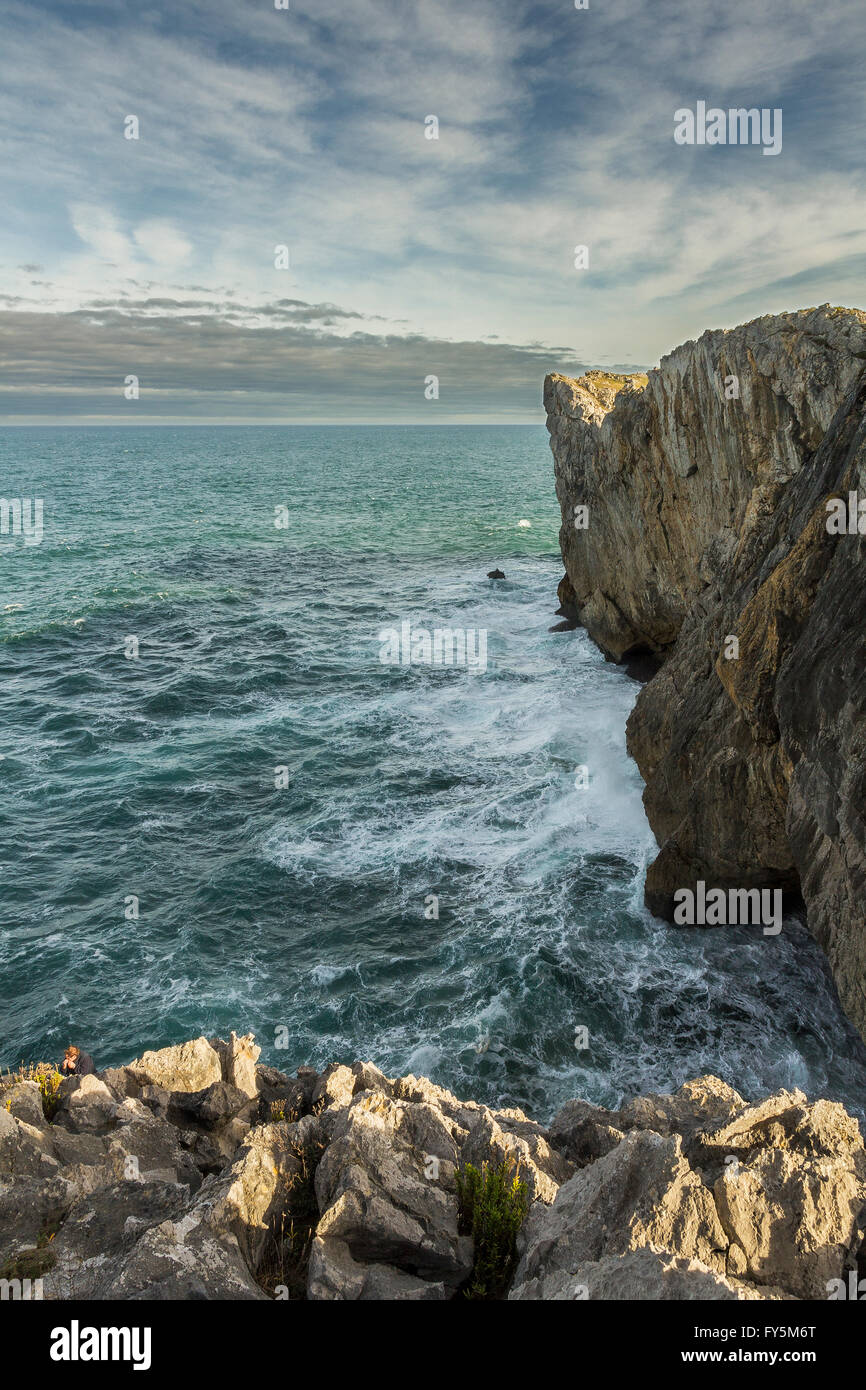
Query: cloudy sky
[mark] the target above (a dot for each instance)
(408, 257)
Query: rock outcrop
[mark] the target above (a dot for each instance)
(705, 543)
(344, 1186)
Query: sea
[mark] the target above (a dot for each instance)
(220, 808)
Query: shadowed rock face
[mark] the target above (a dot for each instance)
(706, 492)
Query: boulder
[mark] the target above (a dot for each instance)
(86, 1105)
(381, 1197)
(24, 1102)
(189, 1066)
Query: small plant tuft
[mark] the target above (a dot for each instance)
(284, 1266)
(47, 1078)
(281, 1110)
(493, 1203)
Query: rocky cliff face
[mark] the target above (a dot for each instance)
(193, 1173)
(705, 542)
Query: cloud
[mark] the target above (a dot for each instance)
(207, 366)
(162, 243)
(260, 127)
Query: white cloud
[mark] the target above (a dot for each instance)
(162, 243)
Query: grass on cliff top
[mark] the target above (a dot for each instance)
(492, 1206)
(614, 381)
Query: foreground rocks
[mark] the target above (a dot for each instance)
(142, 1188)
(706, 486)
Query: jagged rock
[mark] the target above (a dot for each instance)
(687, 1112)
(24, 1102)
(335, 1086)
(189, 1066)
(86, 1105)
(238, 1059)
(786, 1183)
(541, 1167)
(292, 1094)
(641, 1275)
(219, 1239)
(96, 1231)
(381, 1197)
(178, 1195)
(707, 520)
(584, 1132)
(642, 1193)
(211, 1108)
(121, 1080)
(789, 1181)
(334, 1275)
(29, 1207)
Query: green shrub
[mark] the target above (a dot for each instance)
(492, 1207)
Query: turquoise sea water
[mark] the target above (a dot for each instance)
(299, 910)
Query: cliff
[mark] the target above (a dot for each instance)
(706, 544)
(194, 1173)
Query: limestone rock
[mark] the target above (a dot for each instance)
(86, 1104)
(189, 1066)
(643, 1275)
(383, 1200)
(24, 1102)
(335, 1276)
(238, 1059)
(180, 1194)
(707, 521)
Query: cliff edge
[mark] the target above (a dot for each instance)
(696, 527)
(194, 1173)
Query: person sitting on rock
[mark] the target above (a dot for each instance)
(77, 1063)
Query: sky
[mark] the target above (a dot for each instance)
(408, 257)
